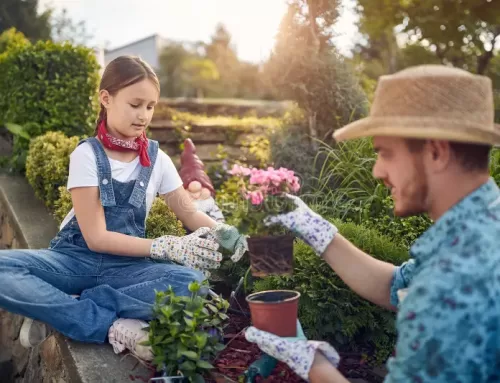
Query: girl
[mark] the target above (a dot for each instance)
(100, 251)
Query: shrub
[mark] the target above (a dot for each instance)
(11, 39)
(47, 165)
(162, 221)
(48, 87)
(290, 147)
(495, 165)
(329, 310)
(62, 205)
(400, 230)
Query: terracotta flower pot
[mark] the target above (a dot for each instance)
(275, 311)
(271, 255)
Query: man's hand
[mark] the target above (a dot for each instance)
(298, 353)
(314, 230)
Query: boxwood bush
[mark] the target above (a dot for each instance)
(48, 87)
(47, 165)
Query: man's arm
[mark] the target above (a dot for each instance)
(322, 371)
(367, 276)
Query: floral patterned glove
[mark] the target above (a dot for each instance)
(230, 239)
(298, 353)
(316, 231)
(190, 250)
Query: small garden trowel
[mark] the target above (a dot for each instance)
(261, 367)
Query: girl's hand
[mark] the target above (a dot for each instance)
(230, 239)
(190, 250)
(309, 226)
(298, 353)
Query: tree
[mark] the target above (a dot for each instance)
(305, 67)
(172, 59)
(223, 55)
(462, 33)
(23, 15)
(200, 73)
(65, 29)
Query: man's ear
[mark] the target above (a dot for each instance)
(439, 153)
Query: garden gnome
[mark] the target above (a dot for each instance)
(197, 182)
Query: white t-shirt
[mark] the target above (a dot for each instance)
(83, 173)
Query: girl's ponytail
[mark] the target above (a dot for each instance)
(102, 116)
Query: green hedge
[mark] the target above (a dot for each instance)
(48, 87)
(329, 309)
(47, 164)
(11, 39)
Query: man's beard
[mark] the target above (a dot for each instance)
(414, 194)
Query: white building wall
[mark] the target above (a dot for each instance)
(148, 49)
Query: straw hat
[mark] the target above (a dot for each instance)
(430, 102)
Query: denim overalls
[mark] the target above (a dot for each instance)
(38, 283)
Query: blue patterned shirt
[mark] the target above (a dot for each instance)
(449, 320)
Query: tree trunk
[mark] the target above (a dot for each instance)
(312, 129)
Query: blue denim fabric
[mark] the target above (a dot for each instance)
(38, 283)
(449, 322)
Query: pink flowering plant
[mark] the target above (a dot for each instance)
(263, 192)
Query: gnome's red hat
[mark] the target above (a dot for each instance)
(193, 169)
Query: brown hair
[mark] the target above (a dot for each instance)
(472, 157)
(124, 71)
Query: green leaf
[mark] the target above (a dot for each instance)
(189, 322)
(204, 364)
(198, 379)
(189, 313)
(191, 355)
(187, 366)
(213, 308)
(219, 347)
(223, 316)
(194, 287)
(17, 130)
(201, 339)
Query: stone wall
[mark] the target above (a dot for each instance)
(25, 223)
(228, 107)
(207, 138)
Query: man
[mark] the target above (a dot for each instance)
(432, 127)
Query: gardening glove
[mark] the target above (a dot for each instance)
(309, 226)
(298, 353)
(190, 250)
(230, 239)
(210, 208)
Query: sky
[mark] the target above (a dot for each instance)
(253, 24)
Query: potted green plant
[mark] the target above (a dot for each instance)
(186, 333)
(270, 247)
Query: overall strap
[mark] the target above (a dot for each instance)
(141, 183)
(103, 172)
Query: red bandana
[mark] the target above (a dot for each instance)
(140, 144)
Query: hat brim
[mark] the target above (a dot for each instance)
(419, 128)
